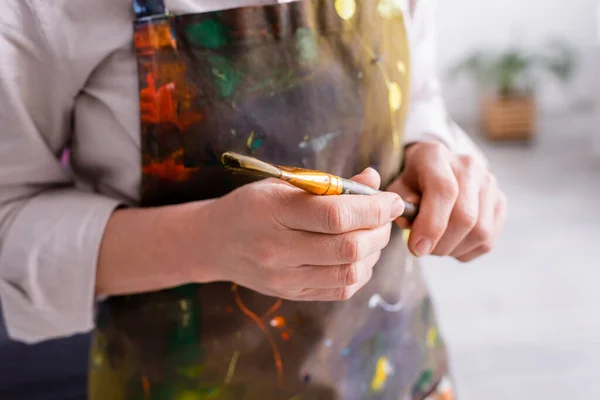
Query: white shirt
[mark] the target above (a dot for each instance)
(68, 72)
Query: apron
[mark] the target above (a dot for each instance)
(319, 84)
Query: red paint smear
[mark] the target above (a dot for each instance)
(159, 106)
(263, 328)
(169, 170)
(229, 310)
(285, 336)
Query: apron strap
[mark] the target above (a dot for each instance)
(148, 8)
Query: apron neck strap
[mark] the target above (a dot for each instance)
(148, 8)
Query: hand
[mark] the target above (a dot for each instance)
(462, 210)
(281, 241)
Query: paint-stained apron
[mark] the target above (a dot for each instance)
(320, 84)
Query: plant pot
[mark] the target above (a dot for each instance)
(509, 117)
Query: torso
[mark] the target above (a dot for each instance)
(219, 340)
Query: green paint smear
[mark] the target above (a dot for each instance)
(306, 45)
(198, 394)
(226, 77)
(424, 381)
(192, 371)
(209, 33)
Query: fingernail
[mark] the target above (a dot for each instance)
(397, 208)
(423, 247)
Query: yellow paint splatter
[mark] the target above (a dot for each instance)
(345, 8)
(432, 337)
(183, 304)
(98, 359)
(382, 372)
(401, 67)
(395, 96)
(406, 235)
(185, 320)
(390, 8)
(231, 368)
(250, 139)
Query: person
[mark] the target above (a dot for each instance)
(203, 284)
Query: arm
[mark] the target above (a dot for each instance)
(462, 209)
(60, 246)
(427, 117)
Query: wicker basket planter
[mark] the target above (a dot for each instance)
(509, 117)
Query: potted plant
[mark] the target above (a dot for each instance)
(508, 80)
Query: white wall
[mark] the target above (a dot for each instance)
(467, 25)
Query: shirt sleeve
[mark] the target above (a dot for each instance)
(427, 116)
(50, 231)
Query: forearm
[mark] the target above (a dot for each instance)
(152, 249)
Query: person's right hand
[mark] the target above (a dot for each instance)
(280, 241)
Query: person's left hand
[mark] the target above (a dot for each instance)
(462, 210)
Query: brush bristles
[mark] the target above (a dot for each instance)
(241, 163)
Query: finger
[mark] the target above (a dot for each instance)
(338, 294)
(321, 249)
(369, 177)
(488, 245)
(334, 214)
(439, 193)
(474, 254)
(401, 188)
(484, 228)
(331, 276)
(467, 210)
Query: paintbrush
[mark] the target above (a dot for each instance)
(315, 182)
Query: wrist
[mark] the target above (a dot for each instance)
(188, 232)
(149, 249)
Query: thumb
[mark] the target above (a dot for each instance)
(369, 177)
(408, 194)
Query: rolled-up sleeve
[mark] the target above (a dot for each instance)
(50, 231)
(427, 116)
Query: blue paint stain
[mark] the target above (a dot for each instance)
(345, 351)
(318, 144)
(307, 379)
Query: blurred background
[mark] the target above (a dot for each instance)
(521, 323)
